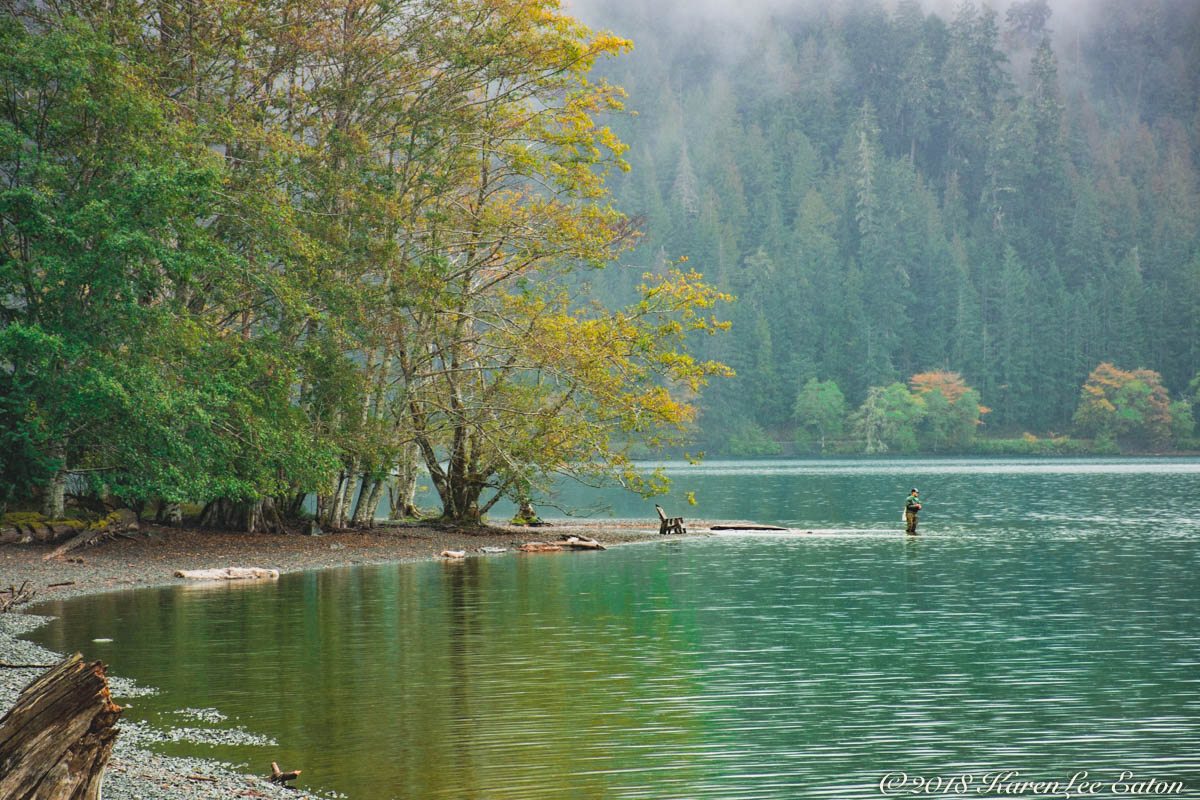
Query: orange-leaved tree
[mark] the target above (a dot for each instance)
(1118, 403)
(952, 408)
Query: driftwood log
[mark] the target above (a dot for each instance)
(540, 547)
(120, 520)
(13, 597)
(279, 776)
(55, 741)
(37, 532)
(229, 574)
(68, 534)
(567, 543)
(580, 543)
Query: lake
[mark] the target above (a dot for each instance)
(1045, 622)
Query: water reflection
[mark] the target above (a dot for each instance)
(1017, 633)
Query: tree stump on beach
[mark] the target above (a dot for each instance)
(56, 740)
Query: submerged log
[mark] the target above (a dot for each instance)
(750, 526)
(56, 740)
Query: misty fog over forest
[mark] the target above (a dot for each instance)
(1008, 192)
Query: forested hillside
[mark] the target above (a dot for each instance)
(1011, 195)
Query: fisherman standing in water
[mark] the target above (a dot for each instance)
(911, 506)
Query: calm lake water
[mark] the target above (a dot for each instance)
(1045, 621)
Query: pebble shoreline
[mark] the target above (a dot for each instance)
(149, 559)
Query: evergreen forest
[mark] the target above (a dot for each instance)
(1004, 196)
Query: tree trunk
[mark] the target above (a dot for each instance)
(215, 513)
(262, 517)
(525, 511)
(404, 501)
(54, 497)
(338, 497)
(368, 501)
(248, 516)
(292, 504)
(56, 740)
(352, 480)
(170, 514)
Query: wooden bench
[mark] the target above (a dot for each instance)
(669, 524)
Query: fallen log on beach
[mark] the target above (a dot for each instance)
(228, 574)
(69, 534)
(56, 740)
(36, 531)
(15, 596)
(566, 543)
(539, 547)
(120, 520)
(579, 543)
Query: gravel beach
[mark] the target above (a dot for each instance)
(150, 557)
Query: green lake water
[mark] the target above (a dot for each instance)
(1045, 621)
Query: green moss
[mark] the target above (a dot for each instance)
(23, 518)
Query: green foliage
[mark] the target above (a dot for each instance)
(101, 205)
(820, 410)
(888, 419)
(1183, 421)
(747, 439)
(23, 467)
(1030, 445)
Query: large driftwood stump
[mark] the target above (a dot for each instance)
(55, 741)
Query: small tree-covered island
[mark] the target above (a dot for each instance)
(258, 252)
